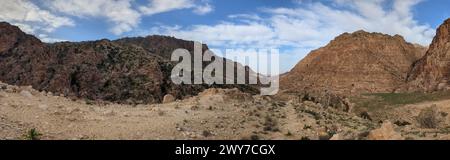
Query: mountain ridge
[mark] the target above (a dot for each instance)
(99, 70)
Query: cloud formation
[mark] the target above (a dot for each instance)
(118, 12)
(123, 15)
(31, 18)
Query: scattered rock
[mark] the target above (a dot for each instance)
(26, 94)
(43, 106)
(336, 137)
(109, 113)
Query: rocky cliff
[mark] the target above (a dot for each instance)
(359, 62)
(432, 72)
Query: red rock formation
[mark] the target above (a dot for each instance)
(360, 62)
(432, 72)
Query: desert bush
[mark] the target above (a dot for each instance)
(270, 124)
(33, 134)
(429, 117)
(365, 115)
(161, 112)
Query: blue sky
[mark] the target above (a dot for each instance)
(295, 27)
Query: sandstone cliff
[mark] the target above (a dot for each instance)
(359, 62)
(432, 72)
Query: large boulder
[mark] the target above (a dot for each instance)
(385, 132)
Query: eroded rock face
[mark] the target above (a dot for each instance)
(432, 72)
(359, 62)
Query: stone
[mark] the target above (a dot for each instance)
(109, 113)
(385, 132)
(336, 137)
(168, 98)
(43, 106)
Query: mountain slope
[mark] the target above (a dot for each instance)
(359, 62)
(117, 71)
(432, 72)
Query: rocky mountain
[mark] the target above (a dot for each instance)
(358, 62)
(132, 70)
(432, 72)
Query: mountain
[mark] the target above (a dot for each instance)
(432, 72)
(130, 70)
(359, 62)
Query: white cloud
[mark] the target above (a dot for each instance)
(159, 6)
(118, 12)
(308, 25)
(200, 7)
(203, 9)
(46, 38)
(124, 14)
(226, 35)
(31, 18)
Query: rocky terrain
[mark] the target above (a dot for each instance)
(355, 63)
(26, 113)
(432, 72)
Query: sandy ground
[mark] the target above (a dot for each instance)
(214, 114)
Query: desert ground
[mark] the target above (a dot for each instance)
(214, 114)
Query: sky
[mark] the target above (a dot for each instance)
(294, 27)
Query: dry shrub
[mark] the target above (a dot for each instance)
(429, 117)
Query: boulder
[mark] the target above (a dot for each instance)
(385, 132)
(26, 94)
(168, 98)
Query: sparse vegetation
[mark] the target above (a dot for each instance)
(270, 124)
(365, 115)
(90, 102)
(429, 117)
(33, 134)
(377, 100)
(289, 133)
(304, 138)
(305, 127)
(255, 137)
(206, 133)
